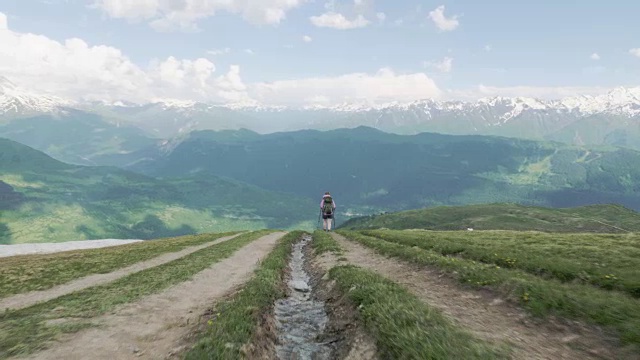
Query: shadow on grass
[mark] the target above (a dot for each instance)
(5, 234)
(152, 227)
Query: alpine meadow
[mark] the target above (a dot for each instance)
(328, 180)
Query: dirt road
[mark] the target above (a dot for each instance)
(152, 327)
(487, 317)
(21, 301)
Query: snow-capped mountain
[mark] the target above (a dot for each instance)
(612, 118)
(620, 101)
(15, 101)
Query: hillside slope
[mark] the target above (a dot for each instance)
(44, 200)
(595, 218)
(370, 171)
(75, 136)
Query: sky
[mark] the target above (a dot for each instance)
(326, 52)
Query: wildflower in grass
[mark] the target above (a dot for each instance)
(210, 322)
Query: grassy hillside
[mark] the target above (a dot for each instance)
(370, 171)
(44, 200)
(593, 277)
(595, 218)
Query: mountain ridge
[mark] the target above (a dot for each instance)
(623, 101)
(361, 166)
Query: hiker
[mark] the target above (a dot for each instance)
(327, 207)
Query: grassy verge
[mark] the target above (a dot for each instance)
(20, 274)
(610, 262)
(616, 311)
(25, 331)
(237, 318)
(323, 242)
(405, 327)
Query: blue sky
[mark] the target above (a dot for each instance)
(541, 48)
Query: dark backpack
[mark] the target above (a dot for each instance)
(328, 205)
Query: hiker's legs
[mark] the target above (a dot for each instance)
(329, 221)
(325, 220)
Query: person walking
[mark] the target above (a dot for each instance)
(327, 208)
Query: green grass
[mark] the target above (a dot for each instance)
(607, 261)
(20, 274)
(594, 218)
(616, 311)
(236, 319)
(323, 242)
(25, 331)
(405, 327)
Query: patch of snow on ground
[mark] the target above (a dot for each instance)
(47, 248)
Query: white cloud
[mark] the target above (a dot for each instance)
(338, 21)
(75, 69)
(216, 52)
(635, 52)
(132, 10)
(488, 48)
(595, 56)
(167, 15)
(442, 22)
(381, 16)
(249, 51)
(4, 24)
(307, 38)
(443, 66)
(383, 86)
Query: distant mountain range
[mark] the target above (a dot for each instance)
(612, 118)
(371, 171)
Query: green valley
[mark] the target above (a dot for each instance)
(44, 200)
(230, 180)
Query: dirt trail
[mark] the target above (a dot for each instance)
(153, 327)
(485, 315)
(21, 301)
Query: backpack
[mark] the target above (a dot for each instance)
(328, 205)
